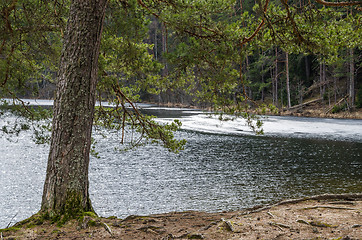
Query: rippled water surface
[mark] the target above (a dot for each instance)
(223, 167)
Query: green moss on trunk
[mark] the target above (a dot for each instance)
(74, 206)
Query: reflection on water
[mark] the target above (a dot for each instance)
(215, 172)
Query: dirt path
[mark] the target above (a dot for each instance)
(319, 217)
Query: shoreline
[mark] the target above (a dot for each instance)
(318, 113)
(328, 216)
(312, 111)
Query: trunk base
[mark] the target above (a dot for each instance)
(73, 207)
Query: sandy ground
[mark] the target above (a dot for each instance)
(318, 217)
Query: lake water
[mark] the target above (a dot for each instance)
(223, 167)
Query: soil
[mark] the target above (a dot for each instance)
(318, 217)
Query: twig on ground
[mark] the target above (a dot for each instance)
(279, 225)
(270, 214)
(108, 229)
(275, 225)
(12, 220)
(303, 221)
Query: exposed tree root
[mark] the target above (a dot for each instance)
(346, 197)
(330, 207)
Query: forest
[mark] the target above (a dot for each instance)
(228, 55)
(275, 74)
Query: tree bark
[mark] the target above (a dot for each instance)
(351, 78)
(275, 98)
(287, 76)
(262, 81)
(66, 185)
(335, 88)
(164, 49)
(322, 78)
(307, 68)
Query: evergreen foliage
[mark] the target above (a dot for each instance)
(222, 54)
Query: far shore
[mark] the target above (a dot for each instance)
(315, 110)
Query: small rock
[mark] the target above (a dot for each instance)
(356, 225)
(228, 225)
(116, 224)
(84, 224)
(321, 224)
(195, 236)
(346, 238)
(168, 237)
(154, 229)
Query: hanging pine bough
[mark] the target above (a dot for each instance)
(22, 117)
(30, 44)
(206, 56)
(125, 116)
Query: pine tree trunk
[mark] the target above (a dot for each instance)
(322, 78)
(155, 41)
(351, 78)
(66, 184)
(164, 49)
(335, 89)
(262, 81)
(287, 83)
(307, 68)
(300, 88)
(271, 70)
(276, 78)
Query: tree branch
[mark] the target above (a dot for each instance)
(216, 33)
(295, 28)
(6, 13)
(248, 39)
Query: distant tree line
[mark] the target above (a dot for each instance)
(272, 75)
(179, 65)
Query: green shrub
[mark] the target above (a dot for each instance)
(339, 108)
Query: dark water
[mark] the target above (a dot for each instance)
(223, 172)
(215, 172)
